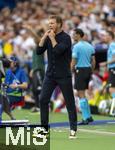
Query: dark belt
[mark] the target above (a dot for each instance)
(82, 68)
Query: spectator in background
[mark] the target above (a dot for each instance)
(2, 74)
(16, 80)
(111, 63)
(95, 18)
(90, 15)
(37, 75)
(4, 104)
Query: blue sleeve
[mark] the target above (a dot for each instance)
(8, 77)
(93, 50)
(23, 76)
(112, 48)
(74, 52)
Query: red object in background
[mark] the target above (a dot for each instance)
(57, 110)
(20, 103)
(105, 76)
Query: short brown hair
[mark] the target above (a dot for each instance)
(79, 31)
(57, 18)
(111, 34)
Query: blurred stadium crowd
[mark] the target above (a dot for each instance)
(95, 17)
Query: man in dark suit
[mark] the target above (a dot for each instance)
(58, 46)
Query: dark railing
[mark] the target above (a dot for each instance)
(9, 3)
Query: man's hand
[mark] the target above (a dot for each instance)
(31, 74)
(72, 65)
(52, 38)
(41, 43)
(103, 64)
(13, 86)
(21, 86)
(51, 34)
(46, 34)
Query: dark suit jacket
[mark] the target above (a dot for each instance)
(59, 57)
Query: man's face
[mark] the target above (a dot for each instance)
(75, 36)
(53, 25)
(12, 65)
(108, 38)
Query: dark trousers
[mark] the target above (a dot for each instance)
(37, 81)
(65, 85)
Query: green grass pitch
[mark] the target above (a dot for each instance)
(90, 137)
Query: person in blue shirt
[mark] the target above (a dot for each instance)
(1, 102)
(83, 61)
(111, 62)
(16, 80)
(111, 65)
(4, 105)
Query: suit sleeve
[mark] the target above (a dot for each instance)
(41, 50)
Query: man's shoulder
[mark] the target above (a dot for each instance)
(111, 48)
(77, 45)
(112, 44)
(66, 34)
(89, 44)
(63, 33)
(21, 70)
(8, 71)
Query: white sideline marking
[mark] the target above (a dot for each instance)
(98, 132)
(86, 130)
(14, 121)
(110, 122)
